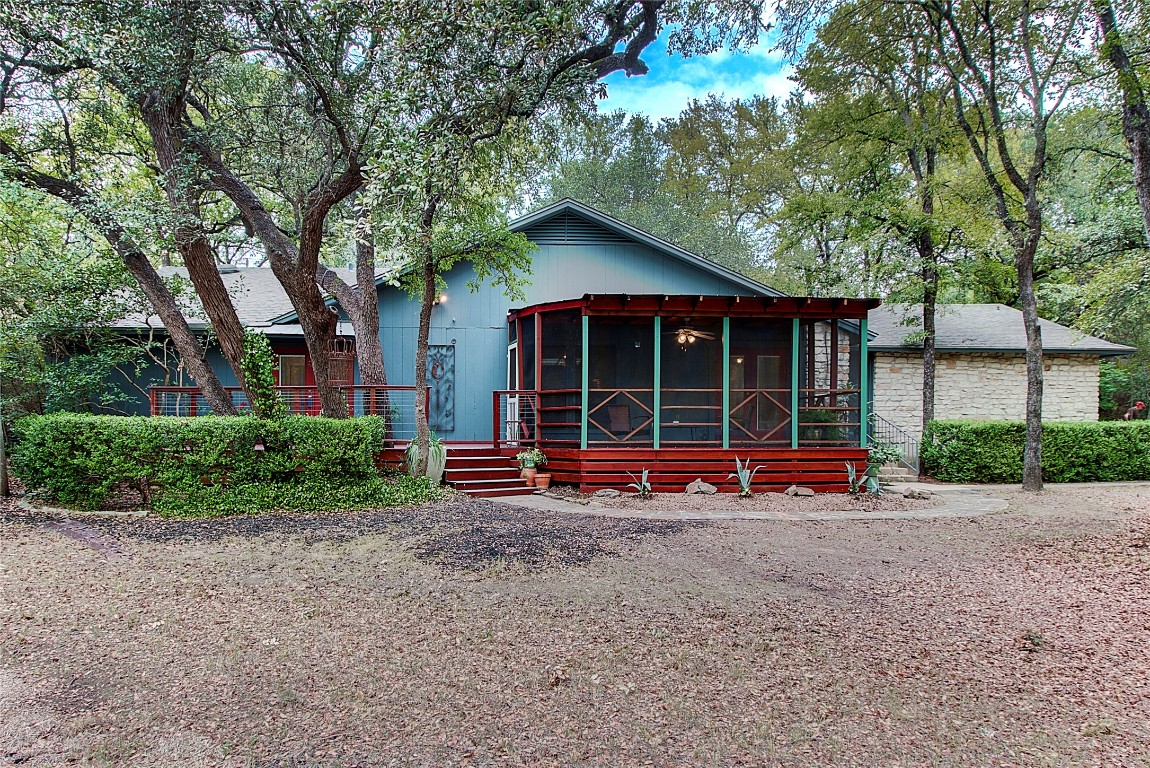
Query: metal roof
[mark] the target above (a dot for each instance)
(979, 328)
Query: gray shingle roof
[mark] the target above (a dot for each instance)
(979, 328)
(256, 294)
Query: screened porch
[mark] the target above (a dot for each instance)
(655, 372)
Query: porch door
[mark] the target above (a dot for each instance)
(511, 421)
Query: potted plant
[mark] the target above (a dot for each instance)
(819, 424)
(879, 454)
(529, 463)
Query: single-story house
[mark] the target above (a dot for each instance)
(980, 365)
(627, 352)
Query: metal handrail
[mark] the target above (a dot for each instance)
(879, 428)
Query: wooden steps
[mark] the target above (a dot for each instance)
(481, 470)
(484, 472)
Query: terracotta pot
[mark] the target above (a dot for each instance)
(543, 481)
(528, 475)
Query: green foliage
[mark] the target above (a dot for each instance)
(532, 457)
(59, 290)
(856, 482)
(210, 465)
(1121, 383)
(881, 452)
(258, 366)
(641, 485)
(1072, 452)
(436, 460)
(745, 475)
(652, 179)
(819, 424)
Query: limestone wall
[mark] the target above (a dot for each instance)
(983, 385)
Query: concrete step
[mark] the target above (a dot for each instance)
(493, 493)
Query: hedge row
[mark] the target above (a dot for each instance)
(210, 465)
(1072, 452)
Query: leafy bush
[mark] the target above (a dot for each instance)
(258, 368)
(1072, 452)
(211, 465)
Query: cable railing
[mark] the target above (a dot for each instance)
(514, 418)
(395, 403)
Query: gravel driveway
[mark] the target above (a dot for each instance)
(475, 633)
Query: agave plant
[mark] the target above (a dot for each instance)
(436, 460)
(745, 475)
(641, 485)
(856, 482)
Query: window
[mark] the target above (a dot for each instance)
(293, 370)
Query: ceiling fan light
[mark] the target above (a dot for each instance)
(682, 338)
(691, 339)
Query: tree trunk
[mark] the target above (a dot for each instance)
(427, 301)
(362, 307)
(296, 267)
(318, 322)
(191, 352)
(1024, 261)
(928, 257)
(929, 309)
(163, 302)
(193, 244)
(1135, 112)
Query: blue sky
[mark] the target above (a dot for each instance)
(673, 81)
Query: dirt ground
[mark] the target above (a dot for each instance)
(473, 633)
(779, 503)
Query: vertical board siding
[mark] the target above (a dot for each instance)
(575, 257)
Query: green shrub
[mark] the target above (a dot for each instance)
(1072, 452)
(211, 465)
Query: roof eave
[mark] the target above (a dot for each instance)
(626, 230)
(1013, 350)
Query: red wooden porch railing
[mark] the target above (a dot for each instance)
(689, 417)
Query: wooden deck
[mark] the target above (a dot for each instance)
(670, 469)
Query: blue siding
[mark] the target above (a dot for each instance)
(477, 322)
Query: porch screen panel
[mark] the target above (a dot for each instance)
(621, 380)
(760, 374)
(691, 386)
(561, 376)
(527, 351)
(829, 378)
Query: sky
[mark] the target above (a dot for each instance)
(673, 81)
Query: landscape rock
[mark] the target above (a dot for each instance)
(799, 490)
(607, 493)
(698, 486)
(916, 493)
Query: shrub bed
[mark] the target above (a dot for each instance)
(1072, 452)
(211, 465)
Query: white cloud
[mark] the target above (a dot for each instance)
(667, 94)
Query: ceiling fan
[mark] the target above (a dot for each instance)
(688, 335)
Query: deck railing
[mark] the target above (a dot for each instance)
(886, 431)
(688, 417)
(395, 403)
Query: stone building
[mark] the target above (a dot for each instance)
(981, 365)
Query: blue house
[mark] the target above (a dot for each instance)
(626, 352)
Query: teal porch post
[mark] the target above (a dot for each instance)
(656, 398)
(586, 374)
(864, 393)
(726, 383)
(795, 383)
